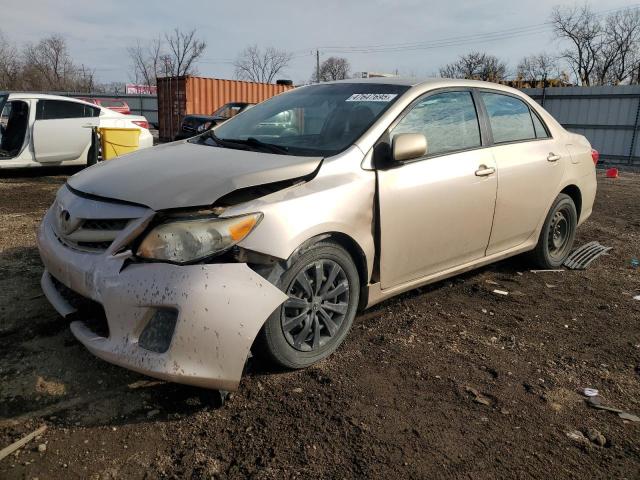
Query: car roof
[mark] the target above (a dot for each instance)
(45, 96)
(430, 83)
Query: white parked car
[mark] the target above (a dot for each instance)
(49, 130)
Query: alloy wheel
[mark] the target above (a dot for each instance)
(317, 305)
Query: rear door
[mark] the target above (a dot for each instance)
(436, 211)
(530, 167)
(62, 130)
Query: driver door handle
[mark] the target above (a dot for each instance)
(484, 171)
(552, 157)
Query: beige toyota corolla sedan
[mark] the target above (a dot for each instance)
(270, 232)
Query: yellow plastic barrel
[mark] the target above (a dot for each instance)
(118, 141)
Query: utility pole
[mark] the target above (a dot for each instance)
(317, 66)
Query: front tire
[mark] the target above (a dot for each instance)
(324, 289)
(558, 234)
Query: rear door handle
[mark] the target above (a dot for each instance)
(552, 157)
(484, 171)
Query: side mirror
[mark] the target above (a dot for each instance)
(408, 146)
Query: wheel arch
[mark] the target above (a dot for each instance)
(574, 192)
(354, 250)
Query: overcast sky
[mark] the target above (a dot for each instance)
(98, 33)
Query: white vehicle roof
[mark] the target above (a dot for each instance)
(45, 96)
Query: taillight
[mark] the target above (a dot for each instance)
(141, 123)
(595, 155)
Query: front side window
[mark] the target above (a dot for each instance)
(448, 120)
(59, 109)
(318, 120)
(509, 117)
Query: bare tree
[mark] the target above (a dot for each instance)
(581, 27)
(184, 49)
(621, 39)
(85, 79)
(258, 65)
(174, 54)
(477, 66)
(536, 69)
(116, 88)
(333, 68)
(146, 61)
(51, 60)
(9, 64)
(600, 52)
(45, 65)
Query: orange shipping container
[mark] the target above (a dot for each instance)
(180, 96)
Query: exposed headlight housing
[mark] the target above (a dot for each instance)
(190, 240)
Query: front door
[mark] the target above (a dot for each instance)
(436, 212)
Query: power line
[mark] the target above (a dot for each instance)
(445, 42)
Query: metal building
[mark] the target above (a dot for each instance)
(608, 116)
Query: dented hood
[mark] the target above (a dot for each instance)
(185, 174)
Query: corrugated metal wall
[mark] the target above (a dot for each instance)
(608, 116)
(180, 96)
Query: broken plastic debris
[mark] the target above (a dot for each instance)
(501, 292)
(477, 396)
(582, 256)
(637, 297)
(594, 402)
(629, 416)
(576, 436)
(635, 263)
(590, 392)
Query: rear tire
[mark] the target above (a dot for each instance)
(557, 235)
(323, 288)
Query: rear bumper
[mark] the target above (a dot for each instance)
(588, 186)
(146, 139)
(221, 308)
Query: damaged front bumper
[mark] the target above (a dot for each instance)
(207, 316)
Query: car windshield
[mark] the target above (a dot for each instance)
(318, 120)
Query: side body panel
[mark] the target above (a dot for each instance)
(62, 139)
(434, 214)
(339, 199)
(527, 184)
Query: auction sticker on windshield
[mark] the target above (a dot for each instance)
(371, 97)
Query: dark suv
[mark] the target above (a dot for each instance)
(194, 124)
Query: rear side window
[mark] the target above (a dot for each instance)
(448, 120)
(541, 131)
(58, 109)
(509, 117)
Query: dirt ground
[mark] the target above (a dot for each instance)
(448, 381)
